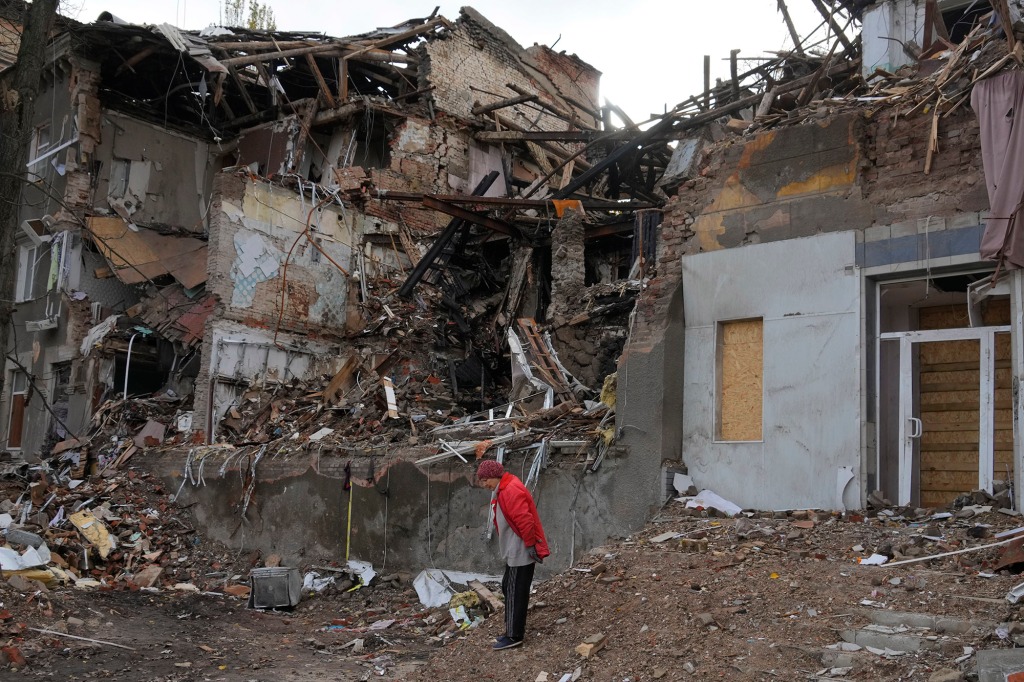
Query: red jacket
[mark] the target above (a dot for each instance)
(521, 513)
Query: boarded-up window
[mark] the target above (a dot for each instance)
(16, 421)
(740, 369)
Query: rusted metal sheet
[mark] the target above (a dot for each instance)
(1010, 554)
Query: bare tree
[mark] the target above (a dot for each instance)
(19, 87)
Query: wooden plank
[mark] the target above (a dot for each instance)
(486, 595)
(482, 109)
(955, 461)
(933, 437)
(740, 384)
(304, 132)
(940, 459)
(281, 54)
(935, 498)
(409, 244)
(970, 425)
(969, 376)
(996, 312)
(956, 366)
(950, 387)
(953, 481)
(16, 426)
(326, 91)
(949, 447)
(340, 382)
(1004, 403)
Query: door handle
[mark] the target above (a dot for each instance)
(916, 427)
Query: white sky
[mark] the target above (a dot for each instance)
(649, 51)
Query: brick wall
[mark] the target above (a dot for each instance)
(848, 172)
(253, 228)
(476, 61)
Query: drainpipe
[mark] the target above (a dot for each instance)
(127, 364)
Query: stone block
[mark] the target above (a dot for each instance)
(996, 665)
(592, 644)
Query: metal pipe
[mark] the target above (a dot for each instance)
(127, 364)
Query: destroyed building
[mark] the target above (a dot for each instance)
(328, 273)
(224, 242)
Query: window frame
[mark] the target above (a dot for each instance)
(19, 400)
(25, 277)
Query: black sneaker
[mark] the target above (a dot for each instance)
(504, 642)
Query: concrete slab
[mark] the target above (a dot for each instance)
(939, 624)
(883, 640)
(996, 665)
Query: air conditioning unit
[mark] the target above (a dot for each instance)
(41, 325)
(97, 313)
(38, 229)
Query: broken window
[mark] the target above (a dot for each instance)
(960, 16)
(740, 359)
(607, 259)
(60, 401)
(40, 144)
(29, 256)
(370, 147)
(127, 186)
(16, 418)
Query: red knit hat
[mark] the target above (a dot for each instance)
(490, 469)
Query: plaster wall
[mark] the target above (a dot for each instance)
(255, 227)
(174, 187)
(810, 452)
(887, 27)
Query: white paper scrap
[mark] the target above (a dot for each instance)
(319, 435)
(711, 500)
(363, 569)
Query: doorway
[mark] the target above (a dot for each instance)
(944, 419)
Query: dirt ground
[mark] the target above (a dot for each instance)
(691, 597)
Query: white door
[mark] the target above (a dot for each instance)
(911, 427)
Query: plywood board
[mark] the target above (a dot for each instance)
(994, 312)
(741, 373)
(138, 254)
(949, 397)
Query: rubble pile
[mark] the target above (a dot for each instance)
(893, 593)
(70, 545)
(120, 530)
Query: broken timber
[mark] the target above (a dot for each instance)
(442, 241)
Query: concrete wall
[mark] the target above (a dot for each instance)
(811, 372)
(173, 187)
(649, 409)
(425, 516)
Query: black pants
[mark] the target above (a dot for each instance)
(515, 585)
